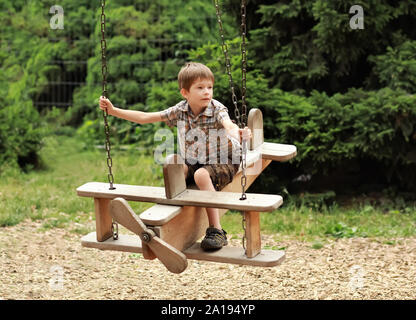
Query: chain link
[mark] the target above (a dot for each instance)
(243, 63)
(224, 48)
(243, 95)
(243, 168)
(114, 230)
(241, 118)
(104, 71)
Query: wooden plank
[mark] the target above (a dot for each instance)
(229, 200)
(159, 214)
(255, 123)
(236, 255)
(173, 175)
(125, 243)
(253, 239)
(278, 152)
(228, 254)
(271, 151)
(103, 221)
(199, 198)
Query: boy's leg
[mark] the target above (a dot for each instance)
(215, 174)
(205, 178)
(204, 182)
(215, 237)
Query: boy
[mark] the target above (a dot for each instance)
(197, 117)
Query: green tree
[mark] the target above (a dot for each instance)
(310, 44)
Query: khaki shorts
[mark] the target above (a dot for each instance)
(221, 174)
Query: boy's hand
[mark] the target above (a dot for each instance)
(106, 104)
(245, 134)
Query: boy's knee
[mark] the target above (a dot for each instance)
(201, 176)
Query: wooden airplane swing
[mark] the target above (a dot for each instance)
(171, 228)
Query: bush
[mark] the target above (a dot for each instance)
(397, 68)
(352, 132)
(20, 136)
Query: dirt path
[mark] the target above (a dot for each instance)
(53, 265)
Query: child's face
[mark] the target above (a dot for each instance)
(199, 94)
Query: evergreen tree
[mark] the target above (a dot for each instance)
(311, 45)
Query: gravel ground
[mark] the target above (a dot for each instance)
(52, 265)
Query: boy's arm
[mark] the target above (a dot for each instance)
(130, 115)
(235, 132)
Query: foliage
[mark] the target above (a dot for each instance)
(20, 136)
(310, 44)
(344, 97)
(397, 67)
(349, 130)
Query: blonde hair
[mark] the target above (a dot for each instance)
(192, 71)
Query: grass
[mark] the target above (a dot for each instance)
(48, 195)
(312, 225)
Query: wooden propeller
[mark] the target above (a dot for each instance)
(173, 259)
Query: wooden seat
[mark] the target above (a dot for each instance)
(235, 255)
(277, 151)
(270, 151)
(189, 197)
(159, 214)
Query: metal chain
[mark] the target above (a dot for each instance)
(243, 96)
(224, 47)
(104, 71)
(243, 224)
(240, 118)
(243, 62)
(243, 168)
(243, 114)
(243, 93)
(114, 230)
